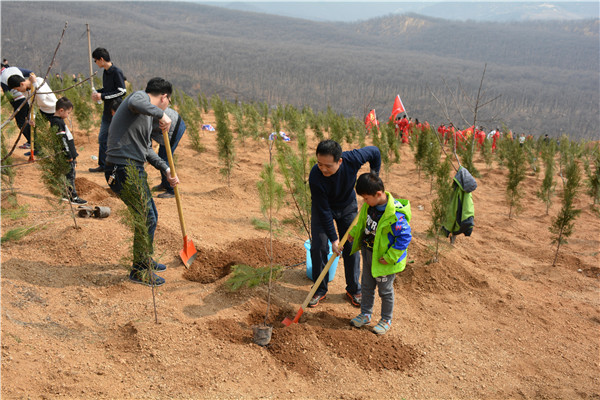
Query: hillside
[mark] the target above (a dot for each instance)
(546, 73)
(491, 320)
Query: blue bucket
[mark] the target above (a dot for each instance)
(309, 261)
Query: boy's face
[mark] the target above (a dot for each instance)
(326, 164)
(64, 113)
(100, 62)
(374, 199)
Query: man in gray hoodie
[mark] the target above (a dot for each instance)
(129, 143)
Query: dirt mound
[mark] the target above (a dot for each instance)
(91, 191)
(212, 265)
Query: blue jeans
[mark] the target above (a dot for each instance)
(384, 284)
(319, 249)
(162, 153)
(140, 251)
(103, 138)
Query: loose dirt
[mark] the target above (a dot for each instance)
(492, 319)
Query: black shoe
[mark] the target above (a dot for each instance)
(355, 299)
(97, 169)
(78, 201)
(159, 188)
(316, 300)
(166, 195)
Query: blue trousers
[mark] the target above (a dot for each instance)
(119, 172)
(103, 138)
(319, 249)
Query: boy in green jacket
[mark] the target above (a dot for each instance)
(382, 233)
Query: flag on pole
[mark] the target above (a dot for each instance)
(371, 120)
(397, 108)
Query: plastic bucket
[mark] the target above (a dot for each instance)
(309, 261)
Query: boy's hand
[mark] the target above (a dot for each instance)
(32, 78)
(350, 238)
(382, 261)
(173, 180)
(96, 96)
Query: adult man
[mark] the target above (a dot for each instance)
(16, 99)
(331, 183)
(113, 87)
(129, 142)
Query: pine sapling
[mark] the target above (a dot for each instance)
(546, 192)
(515, 162)
(562, 226)
(439, 205)
(225, 143)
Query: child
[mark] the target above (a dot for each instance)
(382, 234)
(64, 107)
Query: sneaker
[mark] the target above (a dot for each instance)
(142, 277)
(35, 153)
(25, 146)
(78, 201)
(159, 188)
(360, 320)
(166, 195)
(382, 327)
(355, 299)
(316, 300)
(97, 169)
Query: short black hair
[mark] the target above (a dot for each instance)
(114, 106)
(14, 81)
(99, 53)
(330, 147)
(158, 86)
(369, 183)
(64, 103)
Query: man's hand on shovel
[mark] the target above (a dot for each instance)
(173, 180)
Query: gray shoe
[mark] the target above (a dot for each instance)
(316, 300)
(166, 195)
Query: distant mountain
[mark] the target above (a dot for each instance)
(545, 74)
(456, 11)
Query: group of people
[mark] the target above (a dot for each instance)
(128, 126)
(127, 129)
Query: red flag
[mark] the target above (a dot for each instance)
(397, 108)
(371, 120)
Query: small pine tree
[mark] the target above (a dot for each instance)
(593, 174)
(466, 156)
(562, 226)
(548, 185)
(439, 205)
(515, 162)
(224, 138)
(486, 153)
(431, 160)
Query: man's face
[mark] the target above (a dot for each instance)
(165, 101)
(22, 87)
(100, 62)
(326, 164)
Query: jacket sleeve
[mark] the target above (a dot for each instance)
(399, 239)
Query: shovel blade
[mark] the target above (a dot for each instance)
(287, 322)
(189, 253)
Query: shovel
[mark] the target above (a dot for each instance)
(315, 286)
(189, 253)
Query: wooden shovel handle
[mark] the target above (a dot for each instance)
(173, 173)
(328, 265)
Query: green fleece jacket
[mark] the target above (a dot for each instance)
(392, 236)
